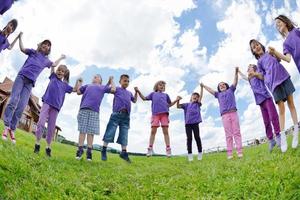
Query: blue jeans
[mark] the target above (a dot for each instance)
(19, 97)
(117, 119)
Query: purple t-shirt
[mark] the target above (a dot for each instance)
(93, 95)
(34, 64)
(5, 5)
(192, 113)
(4, 44)
(259, 90)
(226, 100)
(274, 73)
(122, 100)
(160, 102)
(56, 91)
(291, 46)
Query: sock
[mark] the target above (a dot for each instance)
(124, 150)
(168, 147)
(80, 148)
(296, 128)
(89, 149)
(150, 146)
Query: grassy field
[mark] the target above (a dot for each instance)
(259, 175)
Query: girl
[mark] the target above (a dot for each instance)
(53, 100)
(88, 116)
(192, 118)
(228, 110)
(5, 5)
(279, 83)
(37, 60)
(7, 31)
(160, 114)
(291, 45)
(266, 104)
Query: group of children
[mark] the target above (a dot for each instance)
(268, 75)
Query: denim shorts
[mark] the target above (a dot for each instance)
(282, 91)
(121, 120)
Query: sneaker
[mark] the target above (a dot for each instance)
(278, 140)
(12, 136)
(168, 152)
(283, 142)
(272, 144)
(190, 157)
(79, 154)
(229, 157)
(5, 132)
(200, 156)
(36, 148)
(240, 155)
(124, 156)
(48, 152)
(149, 152)
(89, 156)
(103, 155)
(295, 137)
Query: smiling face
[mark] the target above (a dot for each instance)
(222, 86)
(281, 26)
(251, 69)
(60, 72)
(195, 98)
(97, 79)
(256, 48)
(124, 82)
(161, 87)
(45, 48)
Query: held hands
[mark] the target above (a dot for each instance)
(178, 98)
(202, 85)
(111, 79)
(272, 50)
(20, 34)
(79, 80)
(136, 89)
(237, 70)
(62, 56)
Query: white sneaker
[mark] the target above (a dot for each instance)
(283, 142)
(199, 156)
(229, 157)
(295, 137)
(190, 157)
(240, 155)
(149, 152)
(168, 152)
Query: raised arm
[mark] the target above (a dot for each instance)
(201, 93)
(178, 104)
(58, 60)
(236, 77)
(279, 55)
(112, 84)
(77, 85)
(174, 102)
(21, 43)
(80, 81)
(13, 43)
(243, 75)
(140, 94)
(135, 97)
(210, 90)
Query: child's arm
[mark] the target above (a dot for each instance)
(58, 60)
(208, 89)
(174, 102)
(279, 55)
(257, 75)
(178, 104)
(135, 97)
(236, 77)
(77, 85)
(140, 94)
(11, 46)
(21, 45)
(243, 76)
(112, 84)
(201, 93)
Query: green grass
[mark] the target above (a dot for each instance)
(259, 175)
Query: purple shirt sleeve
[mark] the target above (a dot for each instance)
(287, 49)
(168, 99)
(29, 51)
(131, 97)
(107, 89)
(149, 97)
(52, 76)
(69, 89)
(232, 88)
(183, 106)
(83, 88)
(216, 94)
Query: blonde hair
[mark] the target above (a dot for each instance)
(155, 88)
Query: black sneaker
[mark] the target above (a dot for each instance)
(103, 155)
(48, 152)
(79, 154)
(124, 156)
(89, 155)
(36, 148)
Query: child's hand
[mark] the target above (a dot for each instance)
(178, 98)
(201, 85)
(136, 89)
(272, 50)
(111, 78)
(79, 80)
(236, 70)
(21, 34)
(63, 56)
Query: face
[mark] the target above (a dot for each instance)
(222, 86)
(161, 87)
(45, 48)
(9, 28)
(281, 26)
(194, 98)
(251, 69)
(124, 82)
(97, 79)
(60, 72)
(256, 48)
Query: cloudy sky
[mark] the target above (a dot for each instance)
(183, 42)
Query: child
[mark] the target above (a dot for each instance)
(5, 5)
(228, 110)
(192, 118)
(279, 83)
(37, 60)
(291, 45)
(5, 33)
(120, 117)
(266, 104)
(88, 116)
(160, 114)
(53, 100)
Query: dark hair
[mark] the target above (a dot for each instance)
(262, 46)
(227, 86)
(124, 76)
(196, 93)
(45, 42)
(253, 66)
(289, 23)
(14, 22)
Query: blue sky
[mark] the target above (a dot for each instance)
(181, 42)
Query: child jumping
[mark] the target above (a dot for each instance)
(37, 60)
(266, 104)
(228, 111)
(119, 118)
(5, 33)
(88, 116)
(192, 117)
(279, 83)
(160, 114)
(53, 100)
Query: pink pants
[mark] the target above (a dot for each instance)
(232, 131)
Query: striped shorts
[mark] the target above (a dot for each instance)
(88, 122)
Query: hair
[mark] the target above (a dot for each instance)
(45, 42)
(262, 46)
(227, 86)
(67, 73)
(14, 22)
(155, 88)
(99, 77)
(253, 66)
(196, 93)
(124, 76)
(289, 23)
